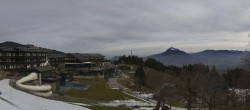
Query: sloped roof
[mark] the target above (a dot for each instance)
(6, 49)
(49, 55)
(85, 56)
(91, 55)
(43, 68)
(79, 57)
(25, 49)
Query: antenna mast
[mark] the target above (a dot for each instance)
(249, 37)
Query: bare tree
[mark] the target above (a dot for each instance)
(243, 83)
(164, 87)
(210, 89)
(166, 97)
(155, 79)
(189, 79)
(203, 87)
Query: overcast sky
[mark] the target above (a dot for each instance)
(114, 27)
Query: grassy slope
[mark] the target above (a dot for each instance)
(98, 90)
(239, 107)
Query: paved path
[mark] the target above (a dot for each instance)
(113, 83)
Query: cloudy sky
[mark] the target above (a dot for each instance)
(114, 27)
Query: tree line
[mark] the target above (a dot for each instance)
(197, 85)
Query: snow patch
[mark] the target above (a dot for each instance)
(18, 100)
(130, 103)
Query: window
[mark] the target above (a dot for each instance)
(27, 54)
(4, 66)
(8, 60)
(20, 54)
(8, 54)
(28, 66)
(11, 66)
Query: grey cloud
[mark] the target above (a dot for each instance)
(115, 26)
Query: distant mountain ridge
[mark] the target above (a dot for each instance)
(209, 52)
(10, 44)
(221, 58)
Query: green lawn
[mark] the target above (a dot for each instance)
(98, 90)
(238, 107)
(107, 108)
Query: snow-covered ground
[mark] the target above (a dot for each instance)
(132, 103)
(241, 94)
(129, 103)
(12, 99)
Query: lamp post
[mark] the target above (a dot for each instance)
(40, 79)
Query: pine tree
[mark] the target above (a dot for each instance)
(140, 77)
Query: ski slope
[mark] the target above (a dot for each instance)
(12, 99)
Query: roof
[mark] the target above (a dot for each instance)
(85, 56)
(91, 55)
(43, 68)
(56, 55)
(6, 49)
(79, 56)
(26, 49)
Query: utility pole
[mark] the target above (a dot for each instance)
(248, 37)
(40, 78)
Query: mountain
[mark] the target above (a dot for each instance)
(11, 44)
(219, 52)
(174, 56)
(221, 58)
(174, 51)
(115, 58)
